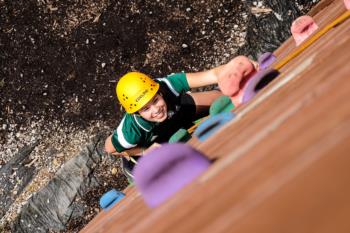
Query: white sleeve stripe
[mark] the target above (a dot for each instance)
(121, 137)
(169, 85)
(137, 122)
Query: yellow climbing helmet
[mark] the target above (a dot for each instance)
(135, 90)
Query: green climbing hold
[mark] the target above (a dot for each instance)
(182, 135)
(220, 105)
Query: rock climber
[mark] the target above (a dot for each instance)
(156, 108)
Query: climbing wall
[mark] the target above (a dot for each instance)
(281, 165)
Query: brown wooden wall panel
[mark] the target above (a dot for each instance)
(282, 163)
(311, 128)
(312, 59)
(124, 214)
(322, 47)
(330, 11)
(319, 7)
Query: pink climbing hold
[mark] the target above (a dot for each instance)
(347, 4)
(234, 78)
(302, 28)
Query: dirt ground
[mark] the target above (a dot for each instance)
(60, 59)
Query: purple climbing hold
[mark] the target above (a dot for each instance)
(261, 79)
(265, 60)
(167, 169)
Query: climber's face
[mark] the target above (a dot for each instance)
(155, 110)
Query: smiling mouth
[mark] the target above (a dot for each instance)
(160, 111)
(160, 114)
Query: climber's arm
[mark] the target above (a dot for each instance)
(236, 68)
(203, 78)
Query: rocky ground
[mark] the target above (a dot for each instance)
(60, 61)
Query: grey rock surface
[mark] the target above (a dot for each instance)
(14, 176)
(51, 207)
(267, 30)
